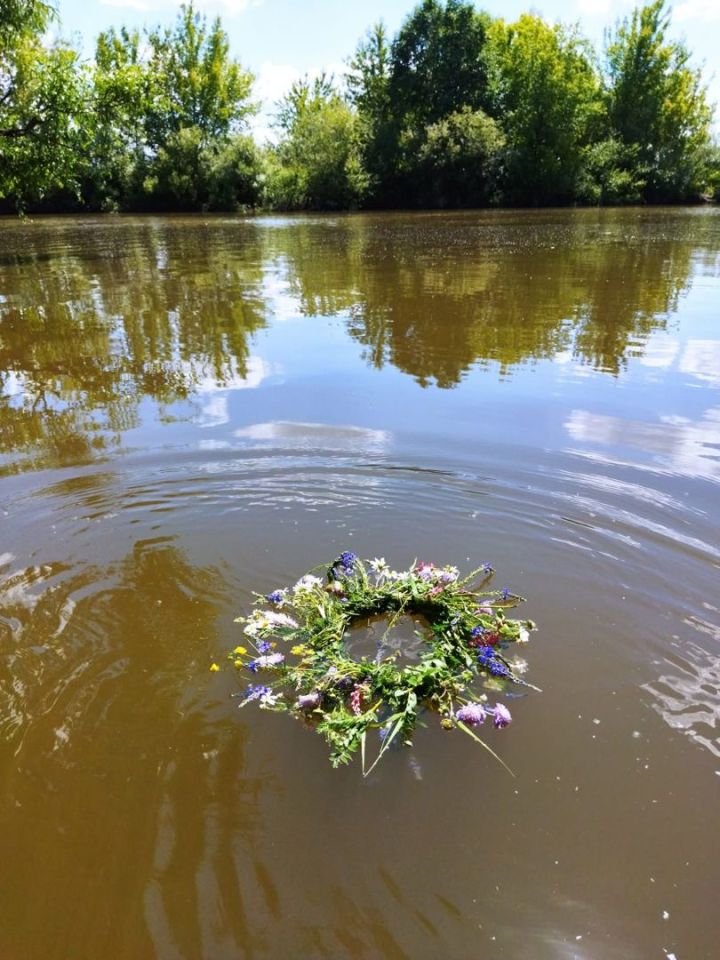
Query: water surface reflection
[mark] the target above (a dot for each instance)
(193, 409)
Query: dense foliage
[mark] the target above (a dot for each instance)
(457, 110)
(299, 647)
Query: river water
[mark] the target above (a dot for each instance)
(192, 409)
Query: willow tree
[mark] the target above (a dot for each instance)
(42, 101)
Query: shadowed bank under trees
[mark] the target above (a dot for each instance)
(459, 109)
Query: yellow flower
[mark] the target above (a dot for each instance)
(214, 668)
(299, 649)
(239, 650)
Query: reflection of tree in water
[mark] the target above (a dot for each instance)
(111, 722)
(95, 316)
(112, 315)
(435, 295)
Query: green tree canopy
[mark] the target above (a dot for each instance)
(317, 163)
(546, 95)
(43, 96)
(170, 111)
(657, 104)
(437, 63)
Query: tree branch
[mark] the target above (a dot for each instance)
(12, 132)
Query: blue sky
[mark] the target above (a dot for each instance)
(280, 40)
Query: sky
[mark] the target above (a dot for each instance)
(281, 40)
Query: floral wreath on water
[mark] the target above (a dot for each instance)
(299, 647)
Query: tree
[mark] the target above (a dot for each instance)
(123, 88)
(368, 86)
(459, 161)
(170, 111)
(18, 17)
(42, 100)
(317, 163)
(438, 64)
(198, 84)
(657, 104)
(546, 95)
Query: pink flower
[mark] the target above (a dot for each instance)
(356, 698)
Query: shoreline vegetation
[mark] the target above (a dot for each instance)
(458, 110)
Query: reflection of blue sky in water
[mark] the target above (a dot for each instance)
(679, 446)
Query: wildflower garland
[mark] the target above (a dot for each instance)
(298, 647)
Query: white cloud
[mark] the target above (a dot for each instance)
(685, 447)
(346, 438)
(701, 359)
(660, 351)
(697, 10)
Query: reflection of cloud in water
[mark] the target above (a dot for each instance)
(660, 350)
(256, 370)
(701, 359)
(688, 699)
(215, 412)
(318, 435)
(684, 446)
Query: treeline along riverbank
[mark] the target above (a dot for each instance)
(458, 109)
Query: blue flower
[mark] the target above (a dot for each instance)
(477, 632)
(253, 666)
(275, 597)
(506, 594)
(486, 658)
(254, 693)
(498, 669)
(488, 568)
(348, 560)
(264, 646)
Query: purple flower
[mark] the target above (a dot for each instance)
(275, 597)
(348, 560)
(254, 693)
(271, 660)
(506, 594)
(472, 714)
(425, 570)
(266, 662)
(264, 646)
(308, 701)
(502, 716)
(488, 568)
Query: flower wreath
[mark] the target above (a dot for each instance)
(299, 646)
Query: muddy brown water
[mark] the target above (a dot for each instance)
(195, 408)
